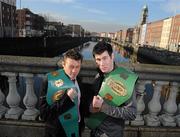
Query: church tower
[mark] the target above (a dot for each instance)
(137, 30)
(144, 15)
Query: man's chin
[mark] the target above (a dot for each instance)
(104, 71)
(73, 78)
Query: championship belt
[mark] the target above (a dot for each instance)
(117, 87)
(58, 84)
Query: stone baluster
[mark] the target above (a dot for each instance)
(127, 122)
(30, 99)
(140, 103)
(170, 107)
(178, 116)
(13, 99)
(154, 106)
(43, 78)
(43, 86)
(3, 109)
(138, 86)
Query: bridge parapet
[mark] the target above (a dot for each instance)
(157, 90)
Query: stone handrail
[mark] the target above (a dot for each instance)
(149, 113)
(39, 65)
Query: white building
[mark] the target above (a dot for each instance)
(166, 30)
(143, 34)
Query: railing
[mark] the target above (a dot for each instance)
(158, 102)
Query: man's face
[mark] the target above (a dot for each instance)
(71, 67)
(105, 62)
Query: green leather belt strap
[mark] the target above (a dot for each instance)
(58, 81)
(117, 87)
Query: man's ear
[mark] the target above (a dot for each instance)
(63, 63)
(112, 56)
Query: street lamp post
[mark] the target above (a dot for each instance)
(73, 30)
(80, 31)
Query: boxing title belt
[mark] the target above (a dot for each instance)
(117, 87)
(58, 84)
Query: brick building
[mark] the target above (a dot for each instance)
(7, 18)
(28, 23)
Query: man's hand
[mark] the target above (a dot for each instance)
(72, 93)
(93, 110)
(97, 102)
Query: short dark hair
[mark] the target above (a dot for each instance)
(102, 46)
(73, 54)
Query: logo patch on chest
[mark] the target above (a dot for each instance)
(117, 87)
(59, 83)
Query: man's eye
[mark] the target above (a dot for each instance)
(104, 58)
(71, 67)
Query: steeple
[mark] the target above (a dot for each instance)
(144, 15)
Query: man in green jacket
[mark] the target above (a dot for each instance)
(110, 108)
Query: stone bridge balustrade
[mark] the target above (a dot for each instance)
(154, 106)
(170, 107)
(140, 87)
(30, 99)
(155, 112)
(3, 109)
(177, 117)
(13, 99)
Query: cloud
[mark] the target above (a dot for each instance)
(91, 10)
(96, 11)
(96, 26)
(53, 1)
(62, 1)
(153, 0)
(172, 6)
(90, 25)
(53, 16)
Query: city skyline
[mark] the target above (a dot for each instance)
(101, 15)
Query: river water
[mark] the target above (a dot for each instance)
(86, 51)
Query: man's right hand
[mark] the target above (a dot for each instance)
(97, 102)
(72, 93)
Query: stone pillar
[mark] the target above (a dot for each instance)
(140, 103)
(30, 99)
(43, 79)
(170, 107)
(154, 106)
(178, 116)
(3, 109)
(127, 122)
(13, 99)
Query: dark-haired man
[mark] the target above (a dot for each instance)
(108, 111)
(60, 105)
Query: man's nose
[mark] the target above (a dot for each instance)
(74, 70)
(101, 62)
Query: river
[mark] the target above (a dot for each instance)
(86, 51)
